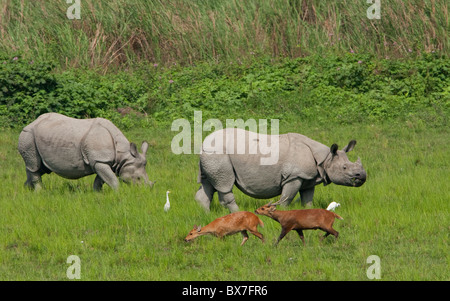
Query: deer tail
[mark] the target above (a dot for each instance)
(337, 216)
(260, 222)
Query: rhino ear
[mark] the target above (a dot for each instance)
(133, 150)
(350, 146)
(144, 147)
(334, 149)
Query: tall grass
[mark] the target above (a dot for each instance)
(122, 33)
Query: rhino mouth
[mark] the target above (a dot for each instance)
(356, 182)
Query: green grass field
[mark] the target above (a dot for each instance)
(401, 214)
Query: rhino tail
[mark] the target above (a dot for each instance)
(199, 176)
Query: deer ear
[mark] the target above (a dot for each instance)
(272, 208)
(199, 228)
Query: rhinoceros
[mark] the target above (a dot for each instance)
(301, 164)
(74, 148)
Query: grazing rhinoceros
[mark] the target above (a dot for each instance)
(301, 164)
(74, 148)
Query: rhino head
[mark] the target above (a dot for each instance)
(340, 170)
(132, 169)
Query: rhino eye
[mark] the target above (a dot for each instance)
(345, 166)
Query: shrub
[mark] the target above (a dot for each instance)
(345, 89)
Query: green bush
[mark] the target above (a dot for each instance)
(29, 89)
(24, 86)
(345, 89)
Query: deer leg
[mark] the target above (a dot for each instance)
(300, 233)
(245, 235)
(282, 234)
(330, 231)
(257, 234)
(326, 234)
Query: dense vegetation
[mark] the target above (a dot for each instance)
(122, 33)
(321, 67)
(345, 89)
(160, 60)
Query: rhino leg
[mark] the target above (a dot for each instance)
(307, 196)
(218, 172)
(34, 180)
(105, 173)
(289, 191)
(98, 183)
(33, 162)
(227, 200)
(205, 194)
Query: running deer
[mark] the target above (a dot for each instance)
(300, 220)
(241, 221)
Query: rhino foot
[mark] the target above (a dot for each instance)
(34, 180)
(202, 198)
(227, 200)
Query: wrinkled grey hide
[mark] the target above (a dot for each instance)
(302, 163)
(74, 148)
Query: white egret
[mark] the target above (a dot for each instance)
(167, 205)
(332, 206)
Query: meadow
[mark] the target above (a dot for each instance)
(400, 214)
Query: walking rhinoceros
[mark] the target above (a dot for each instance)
(301, 164)
(74, 148)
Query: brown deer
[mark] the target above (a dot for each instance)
(241, 221)
(300, 220)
